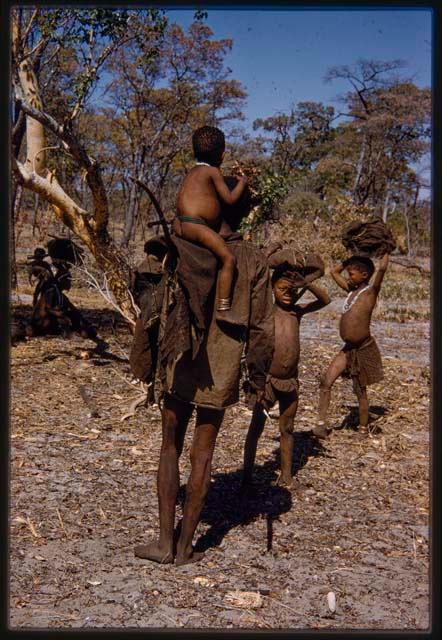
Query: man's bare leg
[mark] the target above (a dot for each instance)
(208, 422)
(337, 366)
(254, 433)
(288, 407)
(175, 418)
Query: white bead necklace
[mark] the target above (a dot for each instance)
(206, 164)
(349, 303)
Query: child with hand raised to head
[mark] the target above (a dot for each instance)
(282, 383)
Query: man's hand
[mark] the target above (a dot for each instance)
(260, 393)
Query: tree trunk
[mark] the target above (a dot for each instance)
(386, 203)
(136, 215)
(34, 217)
(359, 167)
(35, 133)
(91, 229)
(130, 216)
(14, 208)
(407, 226)
(107, 256)
(134, 199)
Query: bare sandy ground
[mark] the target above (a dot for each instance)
(82, 494)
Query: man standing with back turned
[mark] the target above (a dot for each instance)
(209, 383)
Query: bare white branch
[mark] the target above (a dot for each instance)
(104, 290)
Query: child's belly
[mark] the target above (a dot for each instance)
(286, 355)
(355, 327)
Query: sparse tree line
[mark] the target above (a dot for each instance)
(101, 96)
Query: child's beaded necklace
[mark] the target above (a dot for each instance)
(349, 303)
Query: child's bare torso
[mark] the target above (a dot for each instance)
(287, 348)
(354, 326)
(198, 198)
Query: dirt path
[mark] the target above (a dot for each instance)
(83, 493)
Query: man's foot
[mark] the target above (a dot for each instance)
(153, 552)
(363, 431)
(321, 431)
(227, 317)
(194, 556)
(284, 480)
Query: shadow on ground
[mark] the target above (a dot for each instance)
(351, 420)
(106, 321)
(228, 507)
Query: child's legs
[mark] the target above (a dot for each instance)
(208, 238)
(288, 406)
(361, 394)
(254, 433)
(42, 322)
(337, 366)
(62, 320)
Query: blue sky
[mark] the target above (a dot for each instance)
(281, 56)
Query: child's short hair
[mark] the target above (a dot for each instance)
(281, 272)
(208, 144)
(233, 214)
(361, 263)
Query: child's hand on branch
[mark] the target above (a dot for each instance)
(337, 268)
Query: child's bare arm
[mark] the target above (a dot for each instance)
(223, 191)
(380, 273)
(336, 275)
(322, 299)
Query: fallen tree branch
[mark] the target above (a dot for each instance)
(413, 265)
(134, 404)
(105, 292)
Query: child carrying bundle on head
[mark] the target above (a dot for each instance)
(199, 210)
(359, 358)
(282, 383)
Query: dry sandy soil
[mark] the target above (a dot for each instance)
(82, 494)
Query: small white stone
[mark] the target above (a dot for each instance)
(331, 601)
